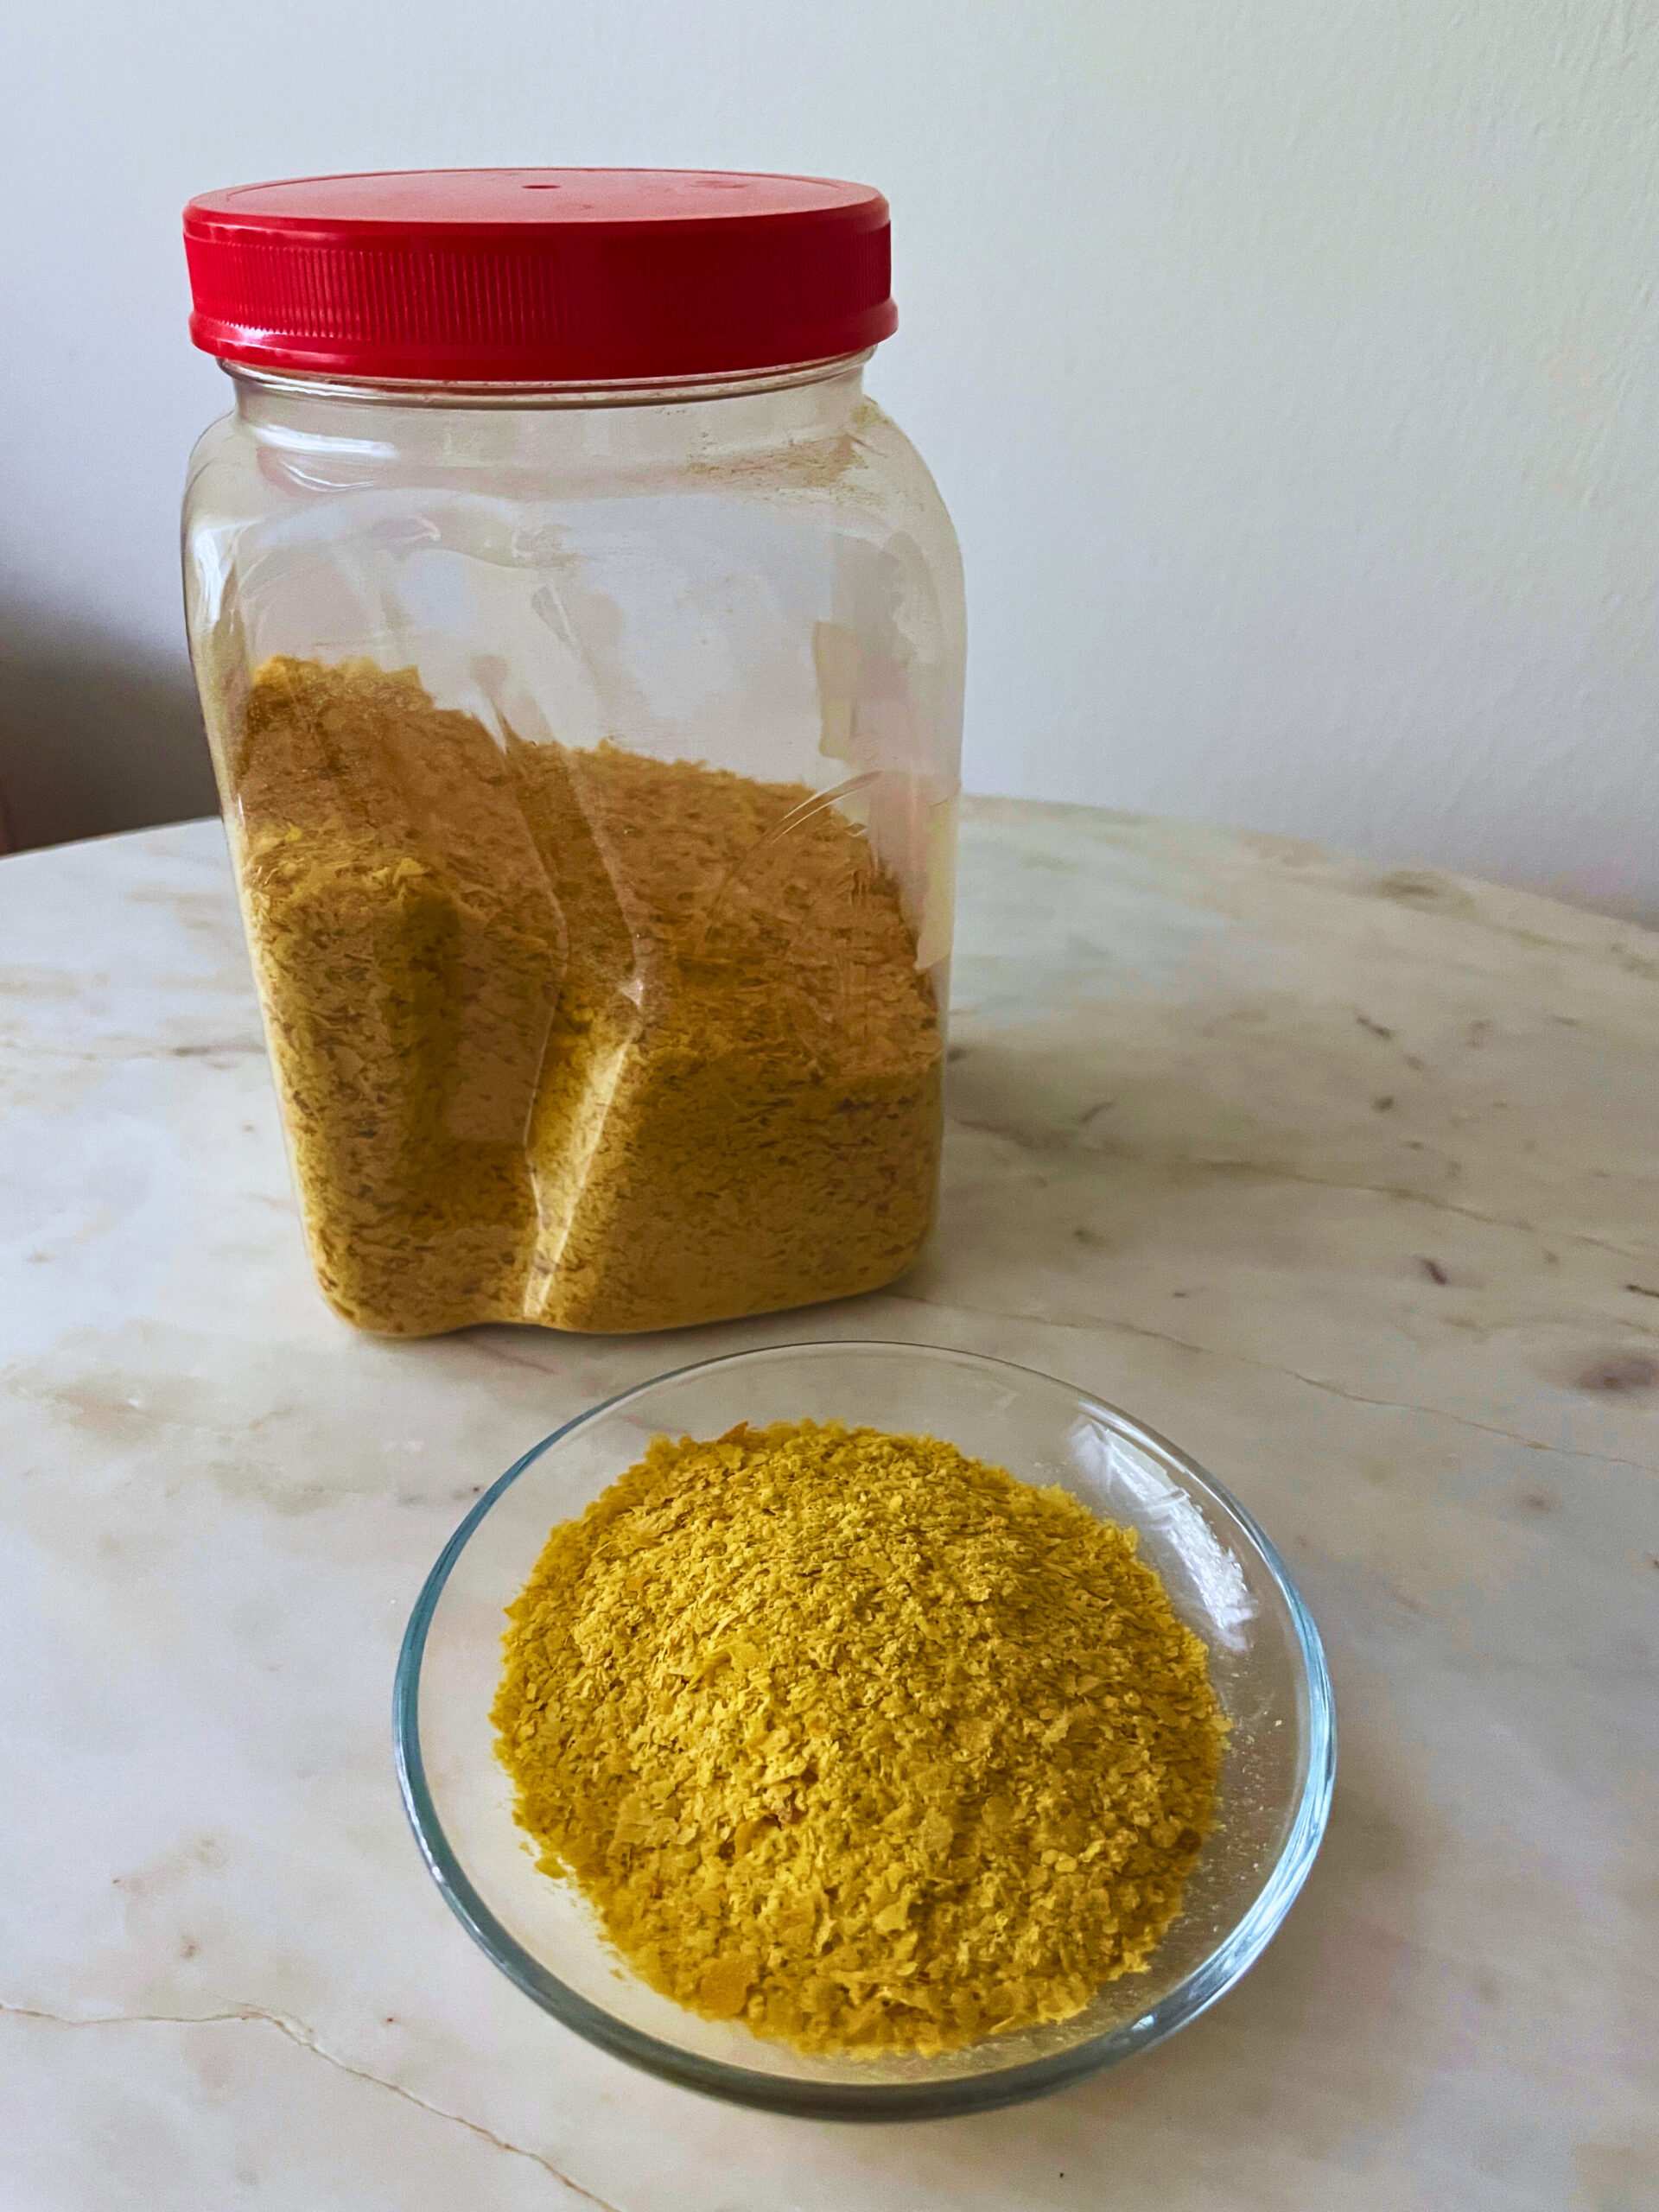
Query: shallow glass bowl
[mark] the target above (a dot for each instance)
(1223, 1577)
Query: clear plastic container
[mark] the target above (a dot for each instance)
(588, 747)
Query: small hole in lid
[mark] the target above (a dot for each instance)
(544, 188)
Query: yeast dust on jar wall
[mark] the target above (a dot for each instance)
(582, 654)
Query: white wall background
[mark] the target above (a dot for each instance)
(1291, 366)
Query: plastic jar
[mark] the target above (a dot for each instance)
(582, 654)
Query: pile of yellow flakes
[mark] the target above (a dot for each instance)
(857, 1740)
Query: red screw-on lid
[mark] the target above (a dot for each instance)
(538, 275)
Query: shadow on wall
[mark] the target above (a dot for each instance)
(96, 735)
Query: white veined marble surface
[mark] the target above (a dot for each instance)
(1347, 1183)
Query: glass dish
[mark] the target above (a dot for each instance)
(1223, 1577)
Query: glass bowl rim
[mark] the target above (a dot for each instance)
(1224, 1967)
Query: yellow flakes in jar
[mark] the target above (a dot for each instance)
(575, 1037)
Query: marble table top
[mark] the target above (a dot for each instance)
(1347, 1183)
